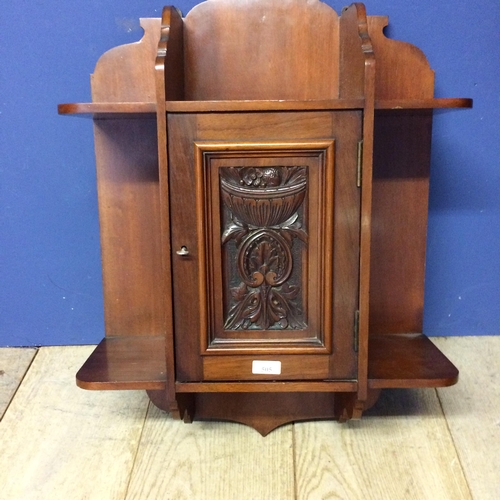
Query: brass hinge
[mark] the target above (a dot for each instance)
(359, 165)
(356, 330)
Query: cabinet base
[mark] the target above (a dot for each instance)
(395, 361)
(266, 411)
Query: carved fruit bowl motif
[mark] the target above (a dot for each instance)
(263, 203)
(264, 197)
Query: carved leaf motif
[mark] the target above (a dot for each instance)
(237, 230)
(264, 307)
(263, 205)
(264, 255)
(232, 174)
(265, 258)
(239, 292)
(282, 307)
(294, 175)
(292, 227)
(246, 310)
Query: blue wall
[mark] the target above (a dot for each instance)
(50, 274)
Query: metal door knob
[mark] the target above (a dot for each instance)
(183, 251)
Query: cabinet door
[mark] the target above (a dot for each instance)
(265, 241)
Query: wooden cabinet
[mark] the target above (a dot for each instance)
(263, 172)
(254, 200)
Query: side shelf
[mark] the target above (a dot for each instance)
(395, 361)
(132, 362)
(408, 360)
(99, 110)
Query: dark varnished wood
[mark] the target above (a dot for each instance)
(245, 50)
(100, 110)
(275, 386)
(414, 362)
(130, 226)
(436, 103)
(265, 411)
(114, 109)
(125, 363)
(355, 17)
(400, 186)
(306, 316)
(169, 73)
(406, 361)
(117, 68)
(103, 111)
(403, 71)
(293, 367)
(400, 205)
(177, 108)
(303, 128)
(127, 184)
(261, 105)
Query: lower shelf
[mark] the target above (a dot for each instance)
(125, 363)
(395, 361)
(400, 361)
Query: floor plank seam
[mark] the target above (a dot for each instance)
(134, 462)
(294, 462)
(454, 443)
(37, 350)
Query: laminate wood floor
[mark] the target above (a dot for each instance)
(61, 442)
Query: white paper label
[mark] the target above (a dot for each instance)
(266, 367)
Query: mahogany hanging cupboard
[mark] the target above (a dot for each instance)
(263, 176)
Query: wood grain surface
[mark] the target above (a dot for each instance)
(472, 410)
(400, 450)
(102, 110)
(211, 461)
(261, 50)
(128, 188)
(156, 201)
(14, 362)
(297, 131)
(135, 362)
(408, 361)
(60, 442)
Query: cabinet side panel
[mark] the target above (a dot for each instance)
(403, 71)
(129, 214)
(401, 162)
(399, 224)
(126, 73)
(128, 189)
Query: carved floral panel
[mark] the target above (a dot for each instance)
(265, 256)
(264, 237)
